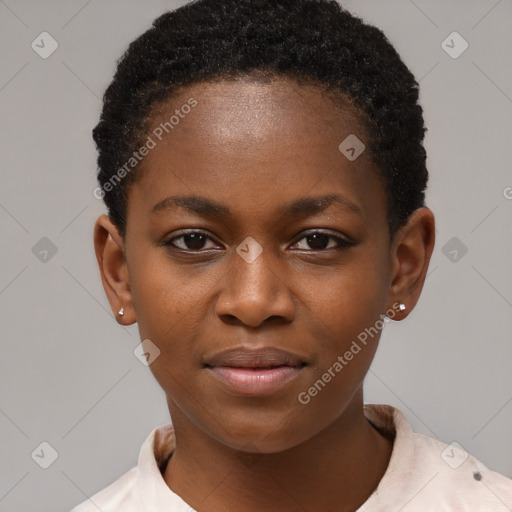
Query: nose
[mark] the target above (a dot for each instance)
(255, 292)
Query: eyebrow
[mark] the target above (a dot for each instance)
(300, 207)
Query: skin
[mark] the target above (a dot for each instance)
(255, 147)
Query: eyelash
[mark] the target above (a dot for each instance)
(342, 242)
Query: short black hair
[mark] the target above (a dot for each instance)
(311, 41)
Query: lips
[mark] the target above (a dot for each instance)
(254, 372)
(255, 358)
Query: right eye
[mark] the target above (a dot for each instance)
(190, 241)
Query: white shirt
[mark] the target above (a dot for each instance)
(423, 475)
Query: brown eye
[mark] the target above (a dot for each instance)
(192, 241)
(319, 241)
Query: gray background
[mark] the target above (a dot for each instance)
(67, 370)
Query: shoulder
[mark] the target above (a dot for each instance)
(461, 479)
(119, 495)
(427, 475)
(139, 487)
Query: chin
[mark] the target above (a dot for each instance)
(263, 437)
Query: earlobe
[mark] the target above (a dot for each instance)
(110, 255)
(411, 252)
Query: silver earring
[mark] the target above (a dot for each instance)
(121, 312)
(402, 307)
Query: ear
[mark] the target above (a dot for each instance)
(109, 248)
(411, 250)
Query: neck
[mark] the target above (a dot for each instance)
(337, 469)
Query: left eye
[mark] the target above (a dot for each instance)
(319, 241)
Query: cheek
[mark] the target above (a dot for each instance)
(352, 299)
(164, 296)
(349, 312)
(169, 308)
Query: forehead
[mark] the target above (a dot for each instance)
(244, 140)
(242, 110)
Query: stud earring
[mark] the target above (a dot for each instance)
(121, 312)
(402, 307)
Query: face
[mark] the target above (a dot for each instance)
(266, 268)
